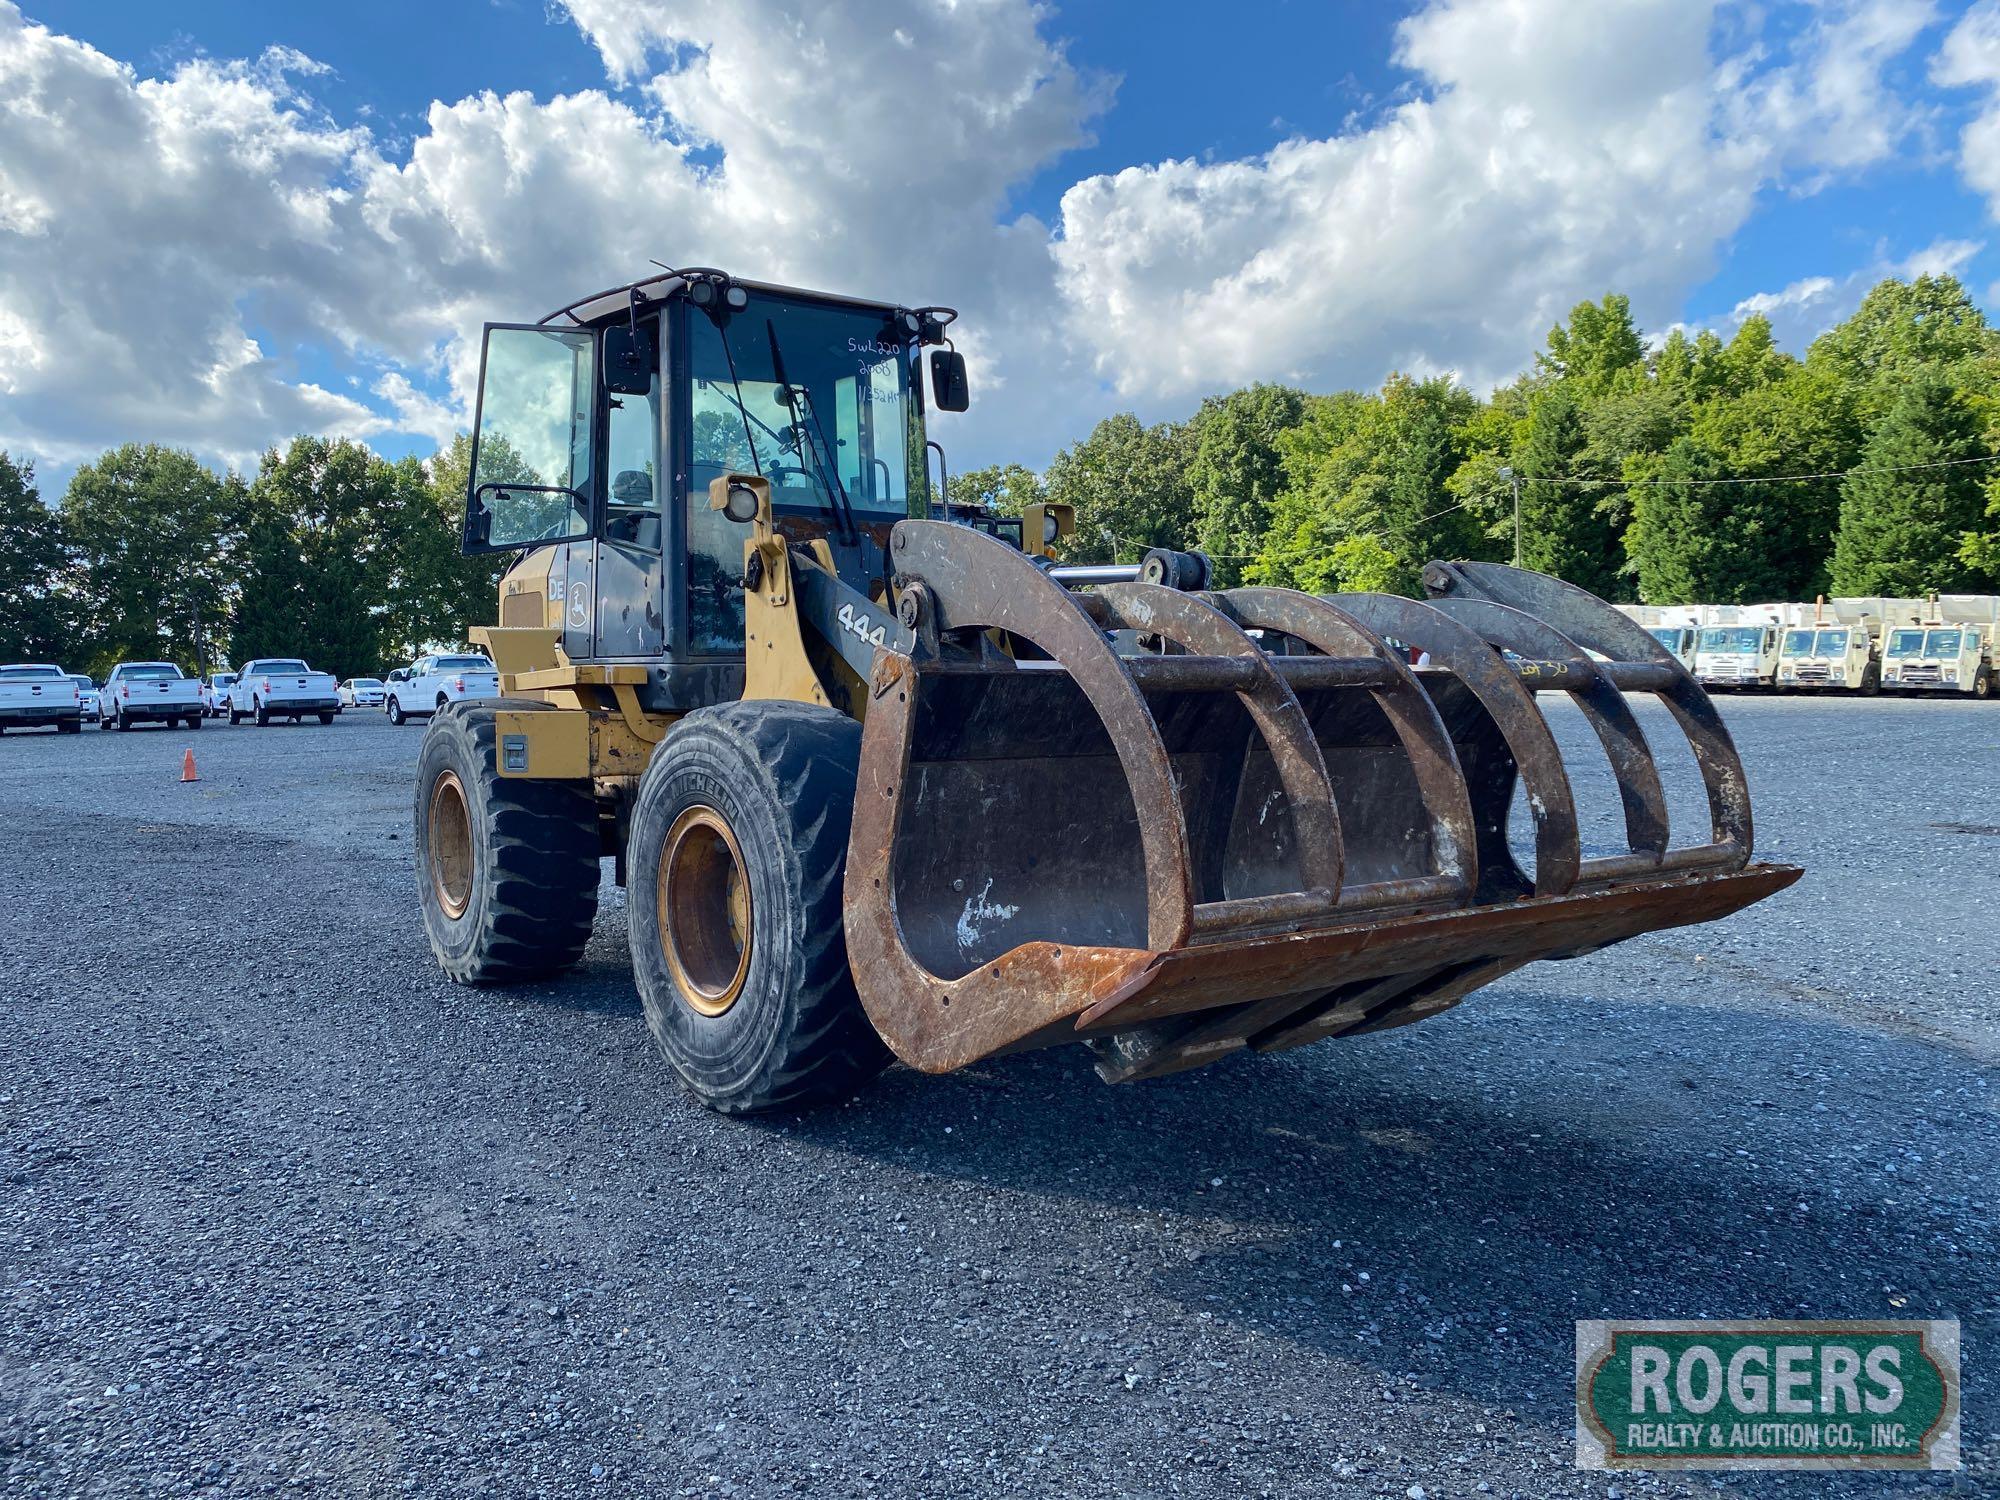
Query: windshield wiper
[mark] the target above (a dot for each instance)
(838, 505)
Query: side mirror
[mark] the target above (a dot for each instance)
(948, 387)
(630, 359)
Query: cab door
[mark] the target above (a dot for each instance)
(628, 583)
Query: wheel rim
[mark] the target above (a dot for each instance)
(704, 910)
(450, 845)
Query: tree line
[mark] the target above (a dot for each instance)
(329, 552)
(1665, 472)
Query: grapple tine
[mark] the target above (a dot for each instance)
(1527, 747)
(1595, 626)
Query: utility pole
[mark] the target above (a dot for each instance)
(1514, 479)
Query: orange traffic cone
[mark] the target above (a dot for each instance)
(187, 766)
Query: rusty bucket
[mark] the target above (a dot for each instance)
(1174, 824)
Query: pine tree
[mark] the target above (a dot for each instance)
(1902, 528)
(1564, 529)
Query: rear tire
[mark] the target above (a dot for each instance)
(123, 723)
(326, 718)
(69, 726)
(193, 721)
(507, 868)
(745, 983)
(260, 713)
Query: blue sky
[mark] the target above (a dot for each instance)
(1155, 201)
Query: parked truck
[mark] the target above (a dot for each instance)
(1674, 626)
(36, 695)
(150, 692)
(1737, 644)
(1947, 647)
(1840, 648)
(282, 687)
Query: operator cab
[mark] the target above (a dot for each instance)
(600, 429)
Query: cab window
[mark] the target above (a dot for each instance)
(531, 450)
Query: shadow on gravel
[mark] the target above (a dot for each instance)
(1443, 1206)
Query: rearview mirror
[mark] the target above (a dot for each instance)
(948, 386)
(630, 358)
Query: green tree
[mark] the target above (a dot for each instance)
(1598, 344)
(1128, 483)
(315, 580)
(1237, 470)
(35, 613)
(1903, 529)
(155, 536)
(1568, 529)
(1902, 327)
(434, 592)
(1004, 489)
(1370, 490)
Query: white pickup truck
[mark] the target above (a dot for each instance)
(432, 682)
(281, 687)
(34, 695)
(141, 692)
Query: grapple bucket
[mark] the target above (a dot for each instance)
(1178, 824)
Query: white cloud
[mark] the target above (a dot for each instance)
(1557, 152)
(1808, 307)
(1970, 58)
(170, 245)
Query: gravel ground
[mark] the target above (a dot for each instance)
(281, 1210)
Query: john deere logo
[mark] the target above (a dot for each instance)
(1767, 1395)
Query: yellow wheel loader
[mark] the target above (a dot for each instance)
(882, 777)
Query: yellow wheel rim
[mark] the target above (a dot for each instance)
(450, 845)
(704, 910)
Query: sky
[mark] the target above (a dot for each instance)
(224, 223)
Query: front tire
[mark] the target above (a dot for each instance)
(507, 867)
(735, 863)
(1982, 683)
(396, 714)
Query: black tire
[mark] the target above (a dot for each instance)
(1982, 683)
(529, 896)
(123, 723)
(1871, 680)
(327, 717)
(69, 726)
(234, 718)
(260, 713)
(443, 703)
(780, 778)
(395, 711)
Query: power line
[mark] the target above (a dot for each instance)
(1633, 484)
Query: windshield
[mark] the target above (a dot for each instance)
(366, 682)
(42, 674)
(1943, 643)
(1797, 643)
(464, 664)
(1668, 636)
(1830, 643)
(152, 669)
(834, 435)
(1731, 638)
(1906, 643)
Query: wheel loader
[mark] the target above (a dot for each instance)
(882, 777)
